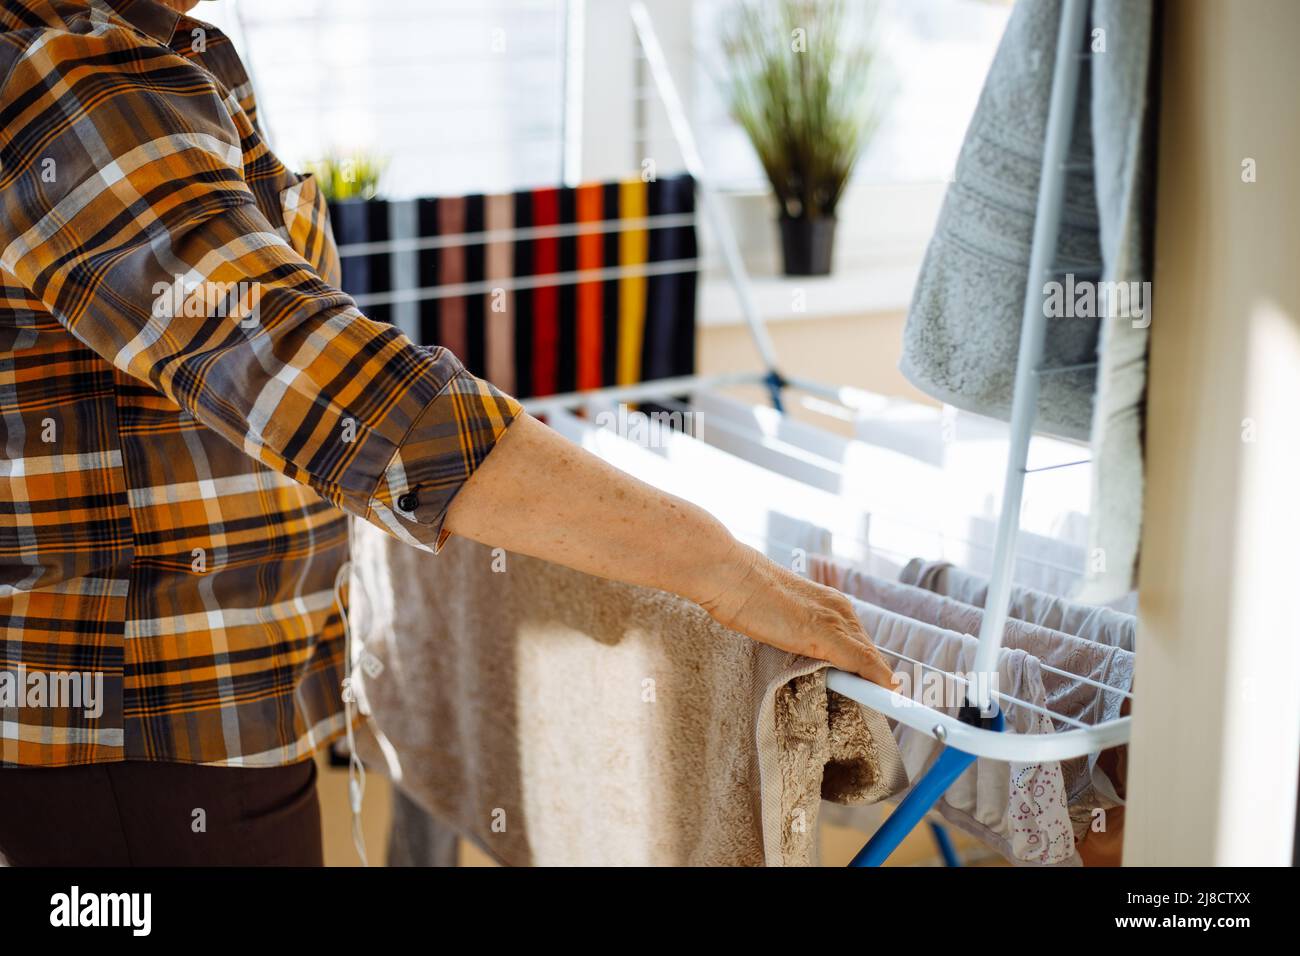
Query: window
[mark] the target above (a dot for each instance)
(464, 96)
(937, 53)
(458, 96)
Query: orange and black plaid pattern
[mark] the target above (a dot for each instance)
(177, 464)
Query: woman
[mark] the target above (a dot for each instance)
(191, 406)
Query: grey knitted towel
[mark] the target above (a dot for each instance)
(963, 329)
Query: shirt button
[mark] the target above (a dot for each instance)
(409, 501)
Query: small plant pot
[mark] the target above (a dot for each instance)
(807, 244)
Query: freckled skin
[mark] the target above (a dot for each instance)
(539, 494)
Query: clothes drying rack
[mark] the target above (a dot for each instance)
(977, 730)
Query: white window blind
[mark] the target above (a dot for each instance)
(458, 96)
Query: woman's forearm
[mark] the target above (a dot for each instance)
(540, 494)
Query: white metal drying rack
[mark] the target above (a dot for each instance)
(977, 731)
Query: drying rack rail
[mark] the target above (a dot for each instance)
(978, 729)
(995, 745)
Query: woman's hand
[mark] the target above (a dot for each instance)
(774, 605)
(539, 494)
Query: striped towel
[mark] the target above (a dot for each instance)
(540, 310)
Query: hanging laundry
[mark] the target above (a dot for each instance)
(1102, 664)
(962, 335)
(1105, 625)
(417, 838)
(546, 308)
(512, 704)
(1019, 809)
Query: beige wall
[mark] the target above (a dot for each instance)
(857, 350)
(1217, 721)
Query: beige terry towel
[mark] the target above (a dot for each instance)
(561, 719)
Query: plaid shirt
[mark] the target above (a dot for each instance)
(188, 406)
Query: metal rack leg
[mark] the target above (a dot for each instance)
(944, 843)
(913, 808)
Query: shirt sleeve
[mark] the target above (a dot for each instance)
(124, 209)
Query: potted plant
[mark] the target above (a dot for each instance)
(803, 83)
(348, 177)
(350, 185)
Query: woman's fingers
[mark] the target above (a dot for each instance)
(774, 605)
(853, 650)
(865, 661)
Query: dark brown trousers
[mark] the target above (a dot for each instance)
(143, 813)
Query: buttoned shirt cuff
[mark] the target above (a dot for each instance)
(445, 445)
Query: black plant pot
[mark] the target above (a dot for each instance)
(806, 245)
